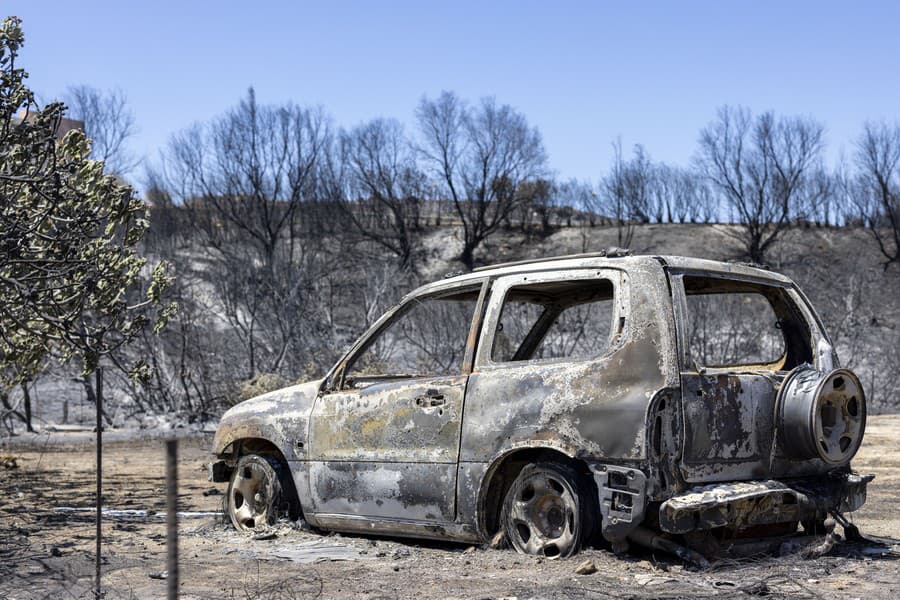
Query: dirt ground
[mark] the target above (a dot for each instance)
(46, 552)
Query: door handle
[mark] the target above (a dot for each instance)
(431, 398)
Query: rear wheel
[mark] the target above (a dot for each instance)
(254, 493)
(545, 512)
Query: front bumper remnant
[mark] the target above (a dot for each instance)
(750, 503)
(219, 471)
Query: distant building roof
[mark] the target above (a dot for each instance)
(65, 125)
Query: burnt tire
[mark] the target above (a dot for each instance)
(255, 496)
(546, 511)
(821, 415)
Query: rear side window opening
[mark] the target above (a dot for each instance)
(743, 325)
(555, 320)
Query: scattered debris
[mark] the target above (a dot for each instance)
(314, 551)
(271, 534)
(138, 514)
(586, 568)
(9, 462)
(646, 579)
(211, 492)
(161, 575)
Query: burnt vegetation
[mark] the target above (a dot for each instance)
(290, 235)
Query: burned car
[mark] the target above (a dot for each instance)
(671, 402)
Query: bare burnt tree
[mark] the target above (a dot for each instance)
(108, 122)
(876, 193)
(826, 192)
(480, 155)
(247, 180)
(584, 197)
(385, 187)
(681, 196)
(762, 169)
(626, 192)
(538, 198)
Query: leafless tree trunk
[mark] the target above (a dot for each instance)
(108, 122)
(538, 197)
(682, 196)
(626, 192)
(384, 187)
(762, 168)
(480, 156)
(876, 189)
(248, 181)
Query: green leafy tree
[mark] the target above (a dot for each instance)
(72, 284)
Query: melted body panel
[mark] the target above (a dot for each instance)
(417, 492)
(594, 409)
(389, 449)
(731, 433)
(281, 417)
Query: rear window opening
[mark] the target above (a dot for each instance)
(744, 325)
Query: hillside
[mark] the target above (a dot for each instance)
(234, 337)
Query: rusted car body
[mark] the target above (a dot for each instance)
(561, 398)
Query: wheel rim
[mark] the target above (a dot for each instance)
(542, 516)
(839, 417)
(250, 497)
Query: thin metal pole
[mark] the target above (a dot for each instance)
(99, 402)
(172, 518)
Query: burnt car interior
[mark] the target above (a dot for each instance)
(742, 325)
(562, 319)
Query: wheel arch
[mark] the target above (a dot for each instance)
(255, 445)
(268, 449)
(504, 469)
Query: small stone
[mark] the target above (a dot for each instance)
(265, 535)
(54, 551)
(469, 550)
(645, 564)
(396, 568)
(499, 540)
(162, 575)
(211, 492)
(586, 568)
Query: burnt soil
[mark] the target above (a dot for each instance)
(49, 553)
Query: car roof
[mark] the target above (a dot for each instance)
(613, 258)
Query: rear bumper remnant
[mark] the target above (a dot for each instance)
(745, 504)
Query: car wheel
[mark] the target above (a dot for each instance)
(254, 493)
(545, 512)
(821, 415)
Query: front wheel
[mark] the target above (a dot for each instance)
(545, 512)
(254, 494)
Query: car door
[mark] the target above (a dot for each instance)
(384, 440)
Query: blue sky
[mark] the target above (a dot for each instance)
(583, 72)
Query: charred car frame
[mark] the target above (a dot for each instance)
(668, 401)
